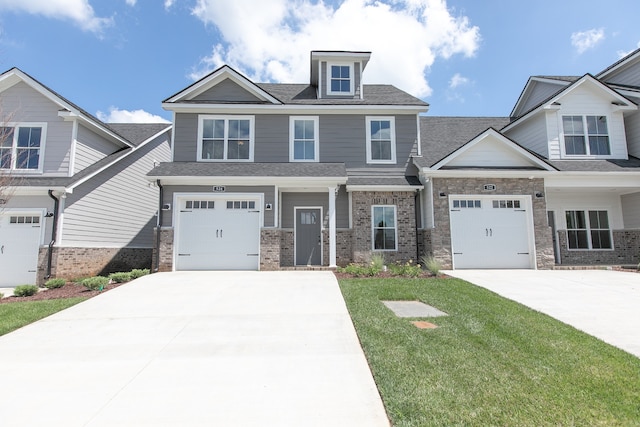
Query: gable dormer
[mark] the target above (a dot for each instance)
(338, 74)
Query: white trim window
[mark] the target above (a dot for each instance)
(340, 79)
(381, 139)
(575, 137)
(384, 228)
(588, 230)
(22, 146)
(303, 139)
(225, 138)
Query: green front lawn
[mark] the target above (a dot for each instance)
(491, 362)
(19, 314)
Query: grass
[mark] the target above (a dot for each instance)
(491, 362)
(19, 314)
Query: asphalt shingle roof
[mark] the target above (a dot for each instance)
(613, 165)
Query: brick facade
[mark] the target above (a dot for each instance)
(438, 240)
(626, 250)
(73, 263)
(166, 249)
(270, 249)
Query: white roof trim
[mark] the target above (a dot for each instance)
(501, 139)
(300, 181)
(384, 187)
(586, 79)
(621, 64)
(217, 76)
(292, 108)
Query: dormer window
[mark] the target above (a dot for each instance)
(340, 81)
(575, 137)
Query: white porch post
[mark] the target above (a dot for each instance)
(332, 226)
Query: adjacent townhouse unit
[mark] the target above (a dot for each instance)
(75, 200)
(265, 176)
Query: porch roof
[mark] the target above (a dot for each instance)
(608, 165)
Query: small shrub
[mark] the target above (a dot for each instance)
(408, 269)
(137, 272)
(1, 295)
(55, 283)
(432, 264)
(25, 290)
(376, 263)
(95, 283)
(120, 277)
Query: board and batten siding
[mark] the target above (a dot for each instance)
(117, 207)
(23, 104)
(227, 91)
(90, 148)
(342, 139)
(532, 134)
(268, 192)
(631, 210)
(290, 201)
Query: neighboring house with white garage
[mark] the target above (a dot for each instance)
(77, 201)
(558, 182)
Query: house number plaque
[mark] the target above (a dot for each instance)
(218, 188)
(489, 187)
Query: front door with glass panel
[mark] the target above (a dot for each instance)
(308, 236)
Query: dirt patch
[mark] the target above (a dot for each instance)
(69, 290)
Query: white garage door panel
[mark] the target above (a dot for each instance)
(20, 235)
(489, 237)
(218, 238)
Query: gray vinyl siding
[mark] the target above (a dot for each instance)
(292, 200)
(33, 202)
(342, 139)
(227, 91)
(90, 148)
(532, 135)
(540, 92)
(631, 210)
(117, 207)
(357, 77)
(207, 190)
(21, 103)
(629, 75)
(632, 130)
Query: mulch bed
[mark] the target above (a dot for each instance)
(69, 290)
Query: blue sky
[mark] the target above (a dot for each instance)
(119, 59)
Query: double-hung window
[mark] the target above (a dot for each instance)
(340, 79)
(588, 230)
(228, 138)
(303, 139)
(381, 139)
(593, 142)
(21, 147)
(384, 228)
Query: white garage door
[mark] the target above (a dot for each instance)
(20, 236)
(218, 234)
(491, 232)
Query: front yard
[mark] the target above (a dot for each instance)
(490, 361)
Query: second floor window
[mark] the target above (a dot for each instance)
(593, 142)
(21, 147)
(381, 140)
(303, 139)
(340, 79)
(225, 138)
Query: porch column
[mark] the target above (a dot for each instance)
(332, 226)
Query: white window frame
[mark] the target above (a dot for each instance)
(202, 118)
(14, 146)
(316, 142)
(392, 128)
(395, 228)
(586, 136)
(589, 229)
(352, 80)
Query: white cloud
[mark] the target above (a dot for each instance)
(131, 2)
(585, 40)
(271, 41)
(116, 115)
(79, 12)
(623, 53)
(168, 4)
(457, 80)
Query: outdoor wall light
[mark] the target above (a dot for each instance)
(48, 215)
(443, 194)
(539, 194)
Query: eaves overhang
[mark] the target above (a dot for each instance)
(292, 108)
(294, 181)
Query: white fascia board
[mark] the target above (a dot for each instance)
(71, 116)
(124, 156)
(483, 173)
(594, 180)
(250, 180)
(292, 109)
(384, 188)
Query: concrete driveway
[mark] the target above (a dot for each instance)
(194, 349)
(602, 303)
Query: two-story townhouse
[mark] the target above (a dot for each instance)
(75, 199)
(557, 182)
(267, 175)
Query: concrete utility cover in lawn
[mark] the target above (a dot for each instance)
(413, 309)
